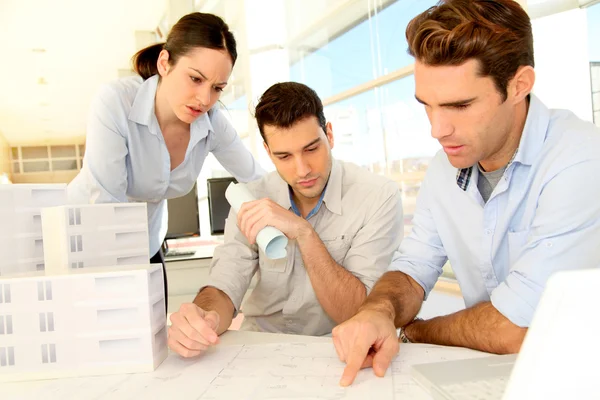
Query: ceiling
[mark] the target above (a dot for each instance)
(55, 55)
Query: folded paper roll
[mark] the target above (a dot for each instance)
(270, 240)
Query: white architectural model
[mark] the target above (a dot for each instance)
(21, 243)
(91, 321)
(94, 236)
(94, 306)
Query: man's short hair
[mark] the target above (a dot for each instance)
(496, 33)
(286, 103)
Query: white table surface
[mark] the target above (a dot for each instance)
(132, 386)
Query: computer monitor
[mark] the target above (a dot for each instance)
(183, 215)
(218, 206)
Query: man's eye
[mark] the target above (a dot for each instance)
(461, 107)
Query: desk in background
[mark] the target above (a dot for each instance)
(187, 275)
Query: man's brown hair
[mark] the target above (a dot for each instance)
(496, 33)
(285, 103)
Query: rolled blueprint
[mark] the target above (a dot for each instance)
(270, 240)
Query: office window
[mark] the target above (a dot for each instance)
(47, 322)
(6, 325)
(77, 265)
(5, 293)
(595, 81)
(48, 353)
(326, 58)
(593, 26)
(46, 158)
(7, 356)
(44, 291)
(76, 242)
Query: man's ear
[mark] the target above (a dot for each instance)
(522, 83)
(162, 63)
(329, 133)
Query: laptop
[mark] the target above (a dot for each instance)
(559, 357)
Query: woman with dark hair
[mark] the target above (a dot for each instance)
(147, 137)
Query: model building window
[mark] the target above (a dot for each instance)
(5, 293)
(76, 265)
(76, 243)
(44, 291)
(7, 356)
(74, 216)
(48, 353)
(6, 325)
(47, 322)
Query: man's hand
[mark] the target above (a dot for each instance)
(255, 215)
(367, 339)
(193, 330)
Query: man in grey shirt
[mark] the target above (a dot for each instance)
(342, 223)
(487, 181)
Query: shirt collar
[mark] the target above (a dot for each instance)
(530, 145)
(313, 211)
(331, 196)
(142, 109)
(534, 132)
(142, 112)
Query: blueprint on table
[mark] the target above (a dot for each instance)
(299, 371)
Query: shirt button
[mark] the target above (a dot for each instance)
(548, 244)
(489, 231)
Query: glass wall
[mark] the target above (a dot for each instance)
(593, 23)
(374, 47)
(354, 54)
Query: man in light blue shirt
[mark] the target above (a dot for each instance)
(508, 201)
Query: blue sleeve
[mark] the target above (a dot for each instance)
(106, 150)
(421, 254)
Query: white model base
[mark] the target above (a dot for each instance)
(92, 321)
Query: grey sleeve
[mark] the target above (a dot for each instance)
(234, 263)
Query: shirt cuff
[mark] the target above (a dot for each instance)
(516, 299)
(235, 298)
(368, 283)
(425, 277)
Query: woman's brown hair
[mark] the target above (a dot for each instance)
(191, 31)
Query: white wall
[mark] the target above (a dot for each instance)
(562, 62)
(4, 157)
